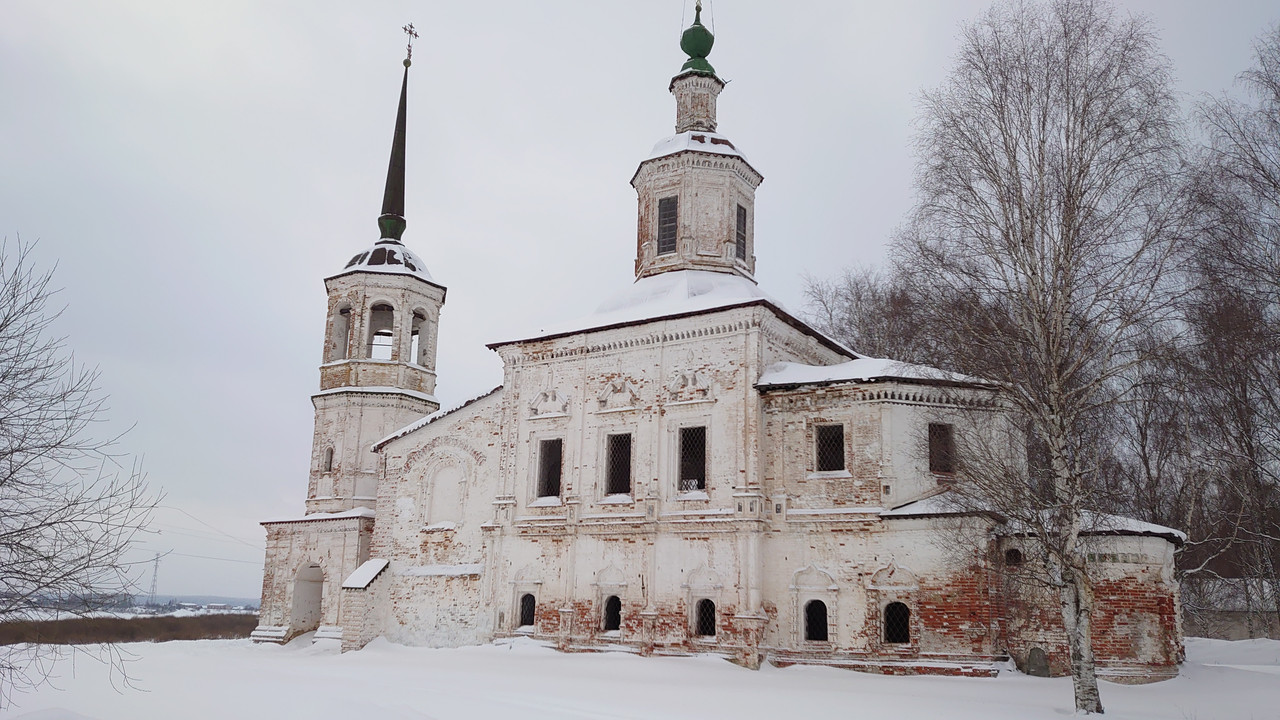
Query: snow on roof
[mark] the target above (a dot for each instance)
(423, 422)
(1092, 523)
(365, 574)
(390, 257)
(937, 504)
(358, 512)
(377, 390)
(863, 368)
(707, 142)
(677, 292)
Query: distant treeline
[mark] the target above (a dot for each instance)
(79, 631)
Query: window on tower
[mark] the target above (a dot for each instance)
(381, 321)
(417, 346)
(668, 220)
(740, 234)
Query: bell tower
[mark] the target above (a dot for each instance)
(379, 364)
(696, 190)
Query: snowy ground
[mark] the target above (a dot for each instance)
(236, 679)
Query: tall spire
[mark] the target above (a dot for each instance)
(391, 222)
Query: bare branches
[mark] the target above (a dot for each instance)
(69, 511)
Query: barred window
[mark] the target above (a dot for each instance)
(815, 621)
(618, 465)
(705, 622)
(693, 458)
(897, 623)
(740, 236)
(612, 613)
(550, 464)
(668, 216)
(942, 448)
(829, 445)
(528, 608)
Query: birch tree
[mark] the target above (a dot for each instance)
(1046, 183)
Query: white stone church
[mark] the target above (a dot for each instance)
(690, 469)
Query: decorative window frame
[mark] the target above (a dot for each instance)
(807, 584)
(811, 436)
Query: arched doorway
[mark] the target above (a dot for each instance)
(308, 600)
(612, 613)
(815, 621)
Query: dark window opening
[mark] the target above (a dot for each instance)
(740, 235)
(706, 620)
(942, 448)
(693, 458)
(668, 216)
(829, 440)
(612, 613)
(381, 323)
(1013, 557)
(528, 608)
(815, 621)
(897, 623)
(618, 465)
(327, 465)
(550, 457)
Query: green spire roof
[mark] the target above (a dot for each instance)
(696, 42)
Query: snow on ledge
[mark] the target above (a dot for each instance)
(378, 390)
(359, 512)
(365, 574)
(864, 368)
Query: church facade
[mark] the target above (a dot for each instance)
(690, 469)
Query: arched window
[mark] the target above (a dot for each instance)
(815, 621)
(705, 622)
(418, 340)
(528, 608)
(341, 337)
(612, 613)
(381, 341)
(897, 623)
(326, 465)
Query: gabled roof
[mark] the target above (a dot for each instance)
(423, 422)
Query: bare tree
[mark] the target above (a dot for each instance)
(1046, 180)
(869, 310)
(68, 511)
(1235, 310)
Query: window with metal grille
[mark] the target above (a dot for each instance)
(528, 608)
(550, 456)
(612, 613)
(668, 217)
(942, 448)
(693, 458)
(815, 621)
(829, 445)
(740, 236)
(897, 623)
(705, 622)
(618, 465)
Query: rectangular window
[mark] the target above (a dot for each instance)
(668, 216)
(693, 458)
(942, 448)
(740, 236)
(550, 465)
(829, 447)
(618, 465)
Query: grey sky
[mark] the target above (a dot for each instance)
(196, 170)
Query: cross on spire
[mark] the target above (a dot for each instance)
(413, 35)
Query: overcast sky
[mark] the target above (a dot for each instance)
(196, 169)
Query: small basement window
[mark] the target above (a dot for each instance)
(829, 447)
(815, 621)
(897, 623)
(705, 622)
(942, 448)
(550, 467)
(668, 222)
(618, 465)
(693, 458)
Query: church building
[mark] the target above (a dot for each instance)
(690, 469)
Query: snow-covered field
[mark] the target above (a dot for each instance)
(236, 679)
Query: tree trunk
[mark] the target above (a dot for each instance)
(1077, 608)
